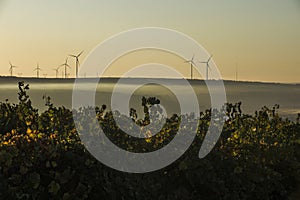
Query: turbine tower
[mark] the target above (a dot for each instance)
(11, 68)
(192, 63)
(37, 69)
(77, 61)
(65, 65)
(236, 72)
(207, 66)
(56, 71)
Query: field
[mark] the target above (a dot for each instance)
(42, 157)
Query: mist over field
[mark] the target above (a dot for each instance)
(253, 95)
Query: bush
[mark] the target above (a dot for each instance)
(42, 157)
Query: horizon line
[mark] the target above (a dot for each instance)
(170, 78)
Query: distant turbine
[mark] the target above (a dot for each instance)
(45, 75)
(192, 63)
(236, 72)
(20, 74)
(207, 66)
(77, 61)
(65, 65)
(56, 71)
(11, 68)
(37, 69)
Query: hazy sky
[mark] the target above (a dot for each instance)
(261, 36)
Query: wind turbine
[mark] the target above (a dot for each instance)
(37, 69)
(207, 66)
(45, 75)
(236, 72)
(77, 61)
(11, 68)
(56, 71)
(192, 63)
(65, 65)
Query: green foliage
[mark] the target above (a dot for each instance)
(42, 157)
(19, 116)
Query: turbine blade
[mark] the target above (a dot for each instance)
(80, 54)
(72, 55)
(209, 58)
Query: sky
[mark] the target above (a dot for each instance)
(260, 38)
